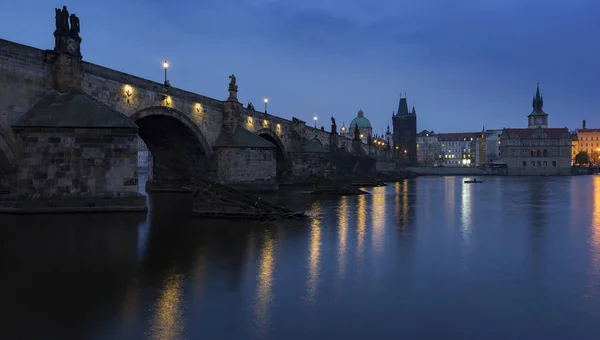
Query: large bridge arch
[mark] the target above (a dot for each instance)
(280, 152)
(178, 147)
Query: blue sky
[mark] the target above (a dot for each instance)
(463, 63)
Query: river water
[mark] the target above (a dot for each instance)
(430, 258)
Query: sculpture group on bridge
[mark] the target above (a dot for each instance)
(62, 22)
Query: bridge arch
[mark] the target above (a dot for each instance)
(316, 140)
(280, 152)
(178, 147)
(9, 150)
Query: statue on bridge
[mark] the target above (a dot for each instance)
(333, 126)
(232, 84)
(356, 132)
(62, 22)
(74, 25)
(250, 106)
(369, 139)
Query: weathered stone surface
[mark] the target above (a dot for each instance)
(246, 167)
(87, 160)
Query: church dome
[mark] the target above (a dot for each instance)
(361, 121)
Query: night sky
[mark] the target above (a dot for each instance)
(463, 63)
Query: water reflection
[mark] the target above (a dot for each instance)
(82, 278)
(361, 228)
(595, 238)
(378, 217)
(466, 212)
(314, 254)
(449, 198)
(342, 236)
(537, 203)
(167, 320)
(397, 203)
(265, 284)
(198, 274)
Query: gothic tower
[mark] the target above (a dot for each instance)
(405, 132)
(537, 117)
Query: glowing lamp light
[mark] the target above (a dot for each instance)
(198, 108)
(128, 90)
(166, 64)
(266, 100)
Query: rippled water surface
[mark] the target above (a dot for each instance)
(431, 258)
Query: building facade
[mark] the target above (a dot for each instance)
(404, 137)
(428, 148)
(457, 149)
(536, 150)
(587, 140)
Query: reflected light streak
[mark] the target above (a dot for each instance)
(449, 197)
(314, 253)
(397, 211)
(466, 212)
(595, 239)
(466, 221)
(264, 285)
(168, 320)
(405, 206)
(378, 218)
(360, 230)
(342, 236)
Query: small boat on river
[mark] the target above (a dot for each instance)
(473, 181)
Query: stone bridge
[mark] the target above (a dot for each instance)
(69, 126)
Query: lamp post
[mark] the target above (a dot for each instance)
(166, 66)
(315, 119)
(266, 101)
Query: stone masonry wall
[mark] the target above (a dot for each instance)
(245, 165)
(110, 87)
(72, 160)
(386, 166)
(310, 164)
(24, 79)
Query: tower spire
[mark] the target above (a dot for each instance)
(538, 101)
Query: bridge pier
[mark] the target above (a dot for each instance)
(240, 158)
(78, 155)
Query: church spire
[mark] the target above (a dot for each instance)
(538, 101)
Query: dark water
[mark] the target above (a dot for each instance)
(432, 258)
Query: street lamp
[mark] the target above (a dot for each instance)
(266, 101)
(315, 119)
(166, 66)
